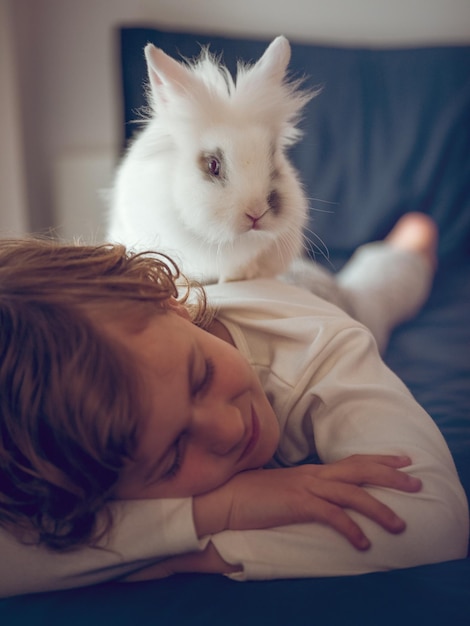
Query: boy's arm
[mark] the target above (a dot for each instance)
(151, 530)
(310, 493)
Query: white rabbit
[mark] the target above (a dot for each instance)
(208, 180)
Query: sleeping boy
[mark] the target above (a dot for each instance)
(250, 429)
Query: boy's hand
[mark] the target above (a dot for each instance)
(308, 493)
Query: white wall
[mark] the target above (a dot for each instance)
(13, 214)
(375, 22)
(68, 82)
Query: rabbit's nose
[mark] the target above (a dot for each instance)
(254, 215)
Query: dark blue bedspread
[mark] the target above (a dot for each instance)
(390, 133)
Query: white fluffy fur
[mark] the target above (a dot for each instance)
(164, 199)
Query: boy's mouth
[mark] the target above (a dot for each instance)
(254, 435)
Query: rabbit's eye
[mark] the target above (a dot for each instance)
(213, 165)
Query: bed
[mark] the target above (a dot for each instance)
(389, 133)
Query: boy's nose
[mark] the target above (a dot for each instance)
(219, 429)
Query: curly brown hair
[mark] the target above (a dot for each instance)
(70, 396)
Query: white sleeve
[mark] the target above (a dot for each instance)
(358, 406)
(144, 531)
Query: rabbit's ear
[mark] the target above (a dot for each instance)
(273, 64)
(165, 74)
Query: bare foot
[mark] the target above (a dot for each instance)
(416, 232)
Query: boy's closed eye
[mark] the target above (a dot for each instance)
(168, 465)
(178, 451)
(201, 386)
(203, 381)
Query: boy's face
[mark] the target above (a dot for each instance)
(210, 417)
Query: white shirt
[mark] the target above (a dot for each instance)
(335, 397)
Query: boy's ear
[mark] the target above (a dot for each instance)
(178, 308)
